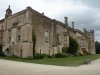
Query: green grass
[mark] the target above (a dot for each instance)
(68, 61)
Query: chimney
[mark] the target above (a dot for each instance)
(42, 13)
(84, 30)
(66, 21)
(73, 25)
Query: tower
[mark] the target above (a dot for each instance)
(91, 41)
(8, 12)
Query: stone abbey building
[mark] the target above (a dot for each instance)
(28, 32)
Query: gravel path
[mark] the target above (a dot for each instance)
(20, 68)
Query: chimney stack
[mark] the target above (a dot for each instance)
(66, 21)
(42, 13)
(73, 25)
(84, 30)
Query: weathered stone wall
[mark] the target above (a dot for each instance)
(29, 20)
(91, 43)
(40, 25)
(56, 31)
(24, 46)
(82, 42)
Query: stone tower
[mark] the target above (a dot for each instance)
(90, 40)
(8, 12)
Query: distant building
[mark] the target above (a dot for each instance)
(19, 31)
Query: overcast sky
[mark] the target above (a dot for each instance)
(85, 13)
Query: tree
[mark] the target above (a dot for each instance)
(73, 46)
(1, 52)
(97, 46)
(0, 47)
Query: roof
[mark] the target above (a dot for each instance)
(9, 9)
(2, 20)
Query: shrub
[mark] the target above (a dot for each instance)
(1, 47)
(29, 58)
(70, 55)
(39, 56)
(60, 55)
(64, 49)
(50, 56)
(2, 53)
(14, 56)
(79, 54)
(86, 52)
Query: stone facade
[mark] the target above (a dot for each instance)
(16, 34)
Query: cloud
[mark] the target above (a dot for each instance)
(85, 13)
(91, 3)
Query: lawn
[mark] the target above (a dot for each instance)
(68, 61)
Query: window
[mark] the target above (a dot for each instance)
(9, 36)
(65, 40)
(81, 42)
(30, 16)
(46, 36)
(57, 39)
(18, 34)
(15, 24)
(89, 46)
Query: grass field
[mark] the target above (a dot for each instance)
(68, 61)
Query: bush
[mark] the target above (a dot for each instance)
(50, 56)
(79, 54)
(2, 53)
(70, 55)
(29, 58)
(39, 56)
(64, 49)
(14, 56)
(60, 55)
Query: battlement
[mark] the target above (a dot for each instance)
(88, 31)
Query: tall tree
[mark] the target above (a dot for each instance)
(97, 46)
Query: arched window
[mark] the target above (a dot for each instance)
(46, 34)
(18, 34)
(9, 35)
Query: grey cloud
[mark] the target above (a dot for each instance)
(86, 18)
(91, 3)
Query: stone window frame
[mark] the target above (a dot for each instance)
(89, 45)
(18, 38)
(16, 22)
(65, 35)
(65, 40)
(46, 36)
(81, 41)
(9, 36)
(58, 39)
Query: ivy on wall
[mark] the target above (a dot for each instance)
(73, 46)
(34, 42)
(0, 46)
